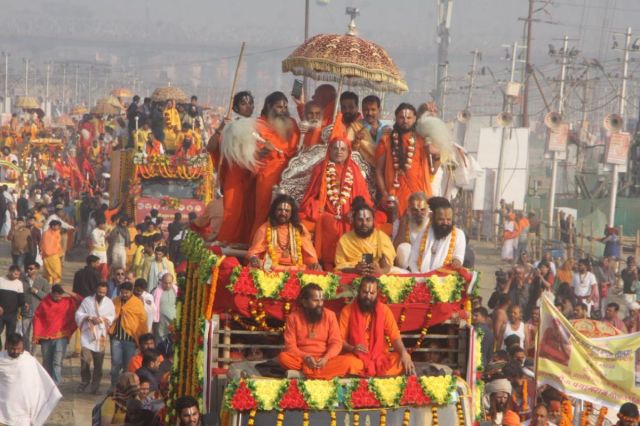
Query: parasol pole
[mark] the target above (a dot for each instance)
(235, 82)
(335, 110)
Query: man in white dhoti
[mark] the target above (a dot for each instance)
(27, 394)
(94, 317)
(585, 285)
(443, 245)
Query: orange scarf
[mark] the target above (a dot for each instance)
(53, 320)
(376, 362)
(133, 317)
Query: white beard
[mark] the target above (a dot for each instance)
(239, 143)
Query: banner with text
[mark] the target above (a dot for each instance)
(604, 371)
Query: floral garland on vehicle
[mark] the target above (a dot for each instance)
(150, 167)
(396, 288)
(328, 283)
(446, 289)
(338, 195)
(356, 393)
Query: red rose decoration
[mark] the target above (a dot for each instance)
(244, 284)
(290, 289)
(419, 294)
(362, 397)
(293, 398)
(243, 399)
(413, 393)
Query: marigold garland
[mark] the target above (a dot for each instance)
(460, 413)
(305, 418)
(252, 417)
(425, 328)
(586, 413)
(383, 417)
(212, 288)
(338, 193)
(280, 418)
(356, 419)
(396, 288)
(406, 419)
(446, 289)
(434, 415)
(332, 416)
(601, 415)
(567, 413)
(423, 239)
(294, 245)
(399, 163)
(439, 388)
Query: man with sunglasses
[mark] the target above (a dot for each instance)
(35, 289)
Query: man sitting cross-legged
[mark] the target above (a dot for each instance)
(364, 324)
(312, 341)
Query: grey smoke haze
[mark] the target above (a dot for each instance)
(192, 42)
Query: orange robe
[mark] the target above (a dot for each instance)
(317, 340)
(238, 188)
(329, 223)
(390, 329)
(417, 178)
(259, 247)
(274, 164)
(52, 252)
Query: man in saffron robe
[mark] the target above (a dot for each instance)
(279, 137)
(365, 250)
(312, 341)
(52, 252)
(364, 324)
(443, 246)
(310, 126)
(283, 243)
(327, 202)
(234, 156)
(325, 97)
(172, 126)
(153, 147)
(402, 161)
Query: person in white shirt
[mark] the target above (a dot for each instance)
(585, 285)
(56, 216)
(140, 290)
(443, 245)
(94, 317)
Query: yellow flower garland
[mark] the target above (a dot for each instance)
(321, 393)
(388, 390)
(267, 392)
(434, 416)
(437, 387)
(396, 287)
(269, 282)
(444, 287)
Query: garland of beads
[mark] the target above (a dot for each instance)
(425, 328)
(305, 418)
(295, 244)
(396, 147)
(252, 417)
(383, 417)
(338, 196)
(407, 417)
(280, 418)
(332, 415)
(356, 419)
(460, 413)
(434, 416)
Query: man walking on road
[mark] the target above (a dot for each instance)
(53, 325)
(129, 324)
(35, 288)
(94, 317)
(85, 281)
(11, 299)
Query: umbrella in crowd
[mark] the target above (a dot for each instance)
(79, 110)
(105, 108)
(122, 92)
(347, 59)
(164, 94)
(27, 102)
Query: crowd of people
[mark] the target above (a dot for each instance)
(394, 217)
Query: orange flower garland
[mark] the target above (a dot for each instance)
(295, 244)
(425, 328)
(567, 413)
(434, 416)
(452, 244)
(338, 195)
(383, 417)
(601, 415)
(423, 240)
(460, 413)
(252, 417)
(395, 153)
(208, 313)
(586, 413)
(356, 419)
(407, 417)
(280, 418)
(332, 415)
(305, 418)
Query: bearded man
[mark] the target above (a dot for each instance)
(282, 242)
(234, 154)
(312, 341)
(325, 97)
(365, 324)
(310, 127)
(326, 204)
(402, 164)
(628, 415)
(278, 142)
(439, 244)
(499, 411)
(365, 250)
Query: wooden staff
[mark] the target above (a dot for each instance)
(235, 81)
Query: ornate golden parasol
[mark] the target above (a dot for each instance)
(79, 110)
(122, 92)
(163, 94)
(105, 108)
(593, 328)
(347, 59)
(65, 120)
(27, 102)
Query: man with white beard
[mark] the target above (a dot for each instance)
(439, 244)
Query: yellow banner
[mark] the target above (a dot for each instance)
(604, 371)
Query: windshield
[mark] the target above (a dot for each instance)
(174, 188)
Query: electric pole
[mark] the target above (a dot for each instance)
(554, 164)
(527, 69)
(444, 11)
(472, 77)
(621, 110)
(443, 98)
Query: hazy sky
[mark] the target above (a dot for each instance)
(406, 28)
